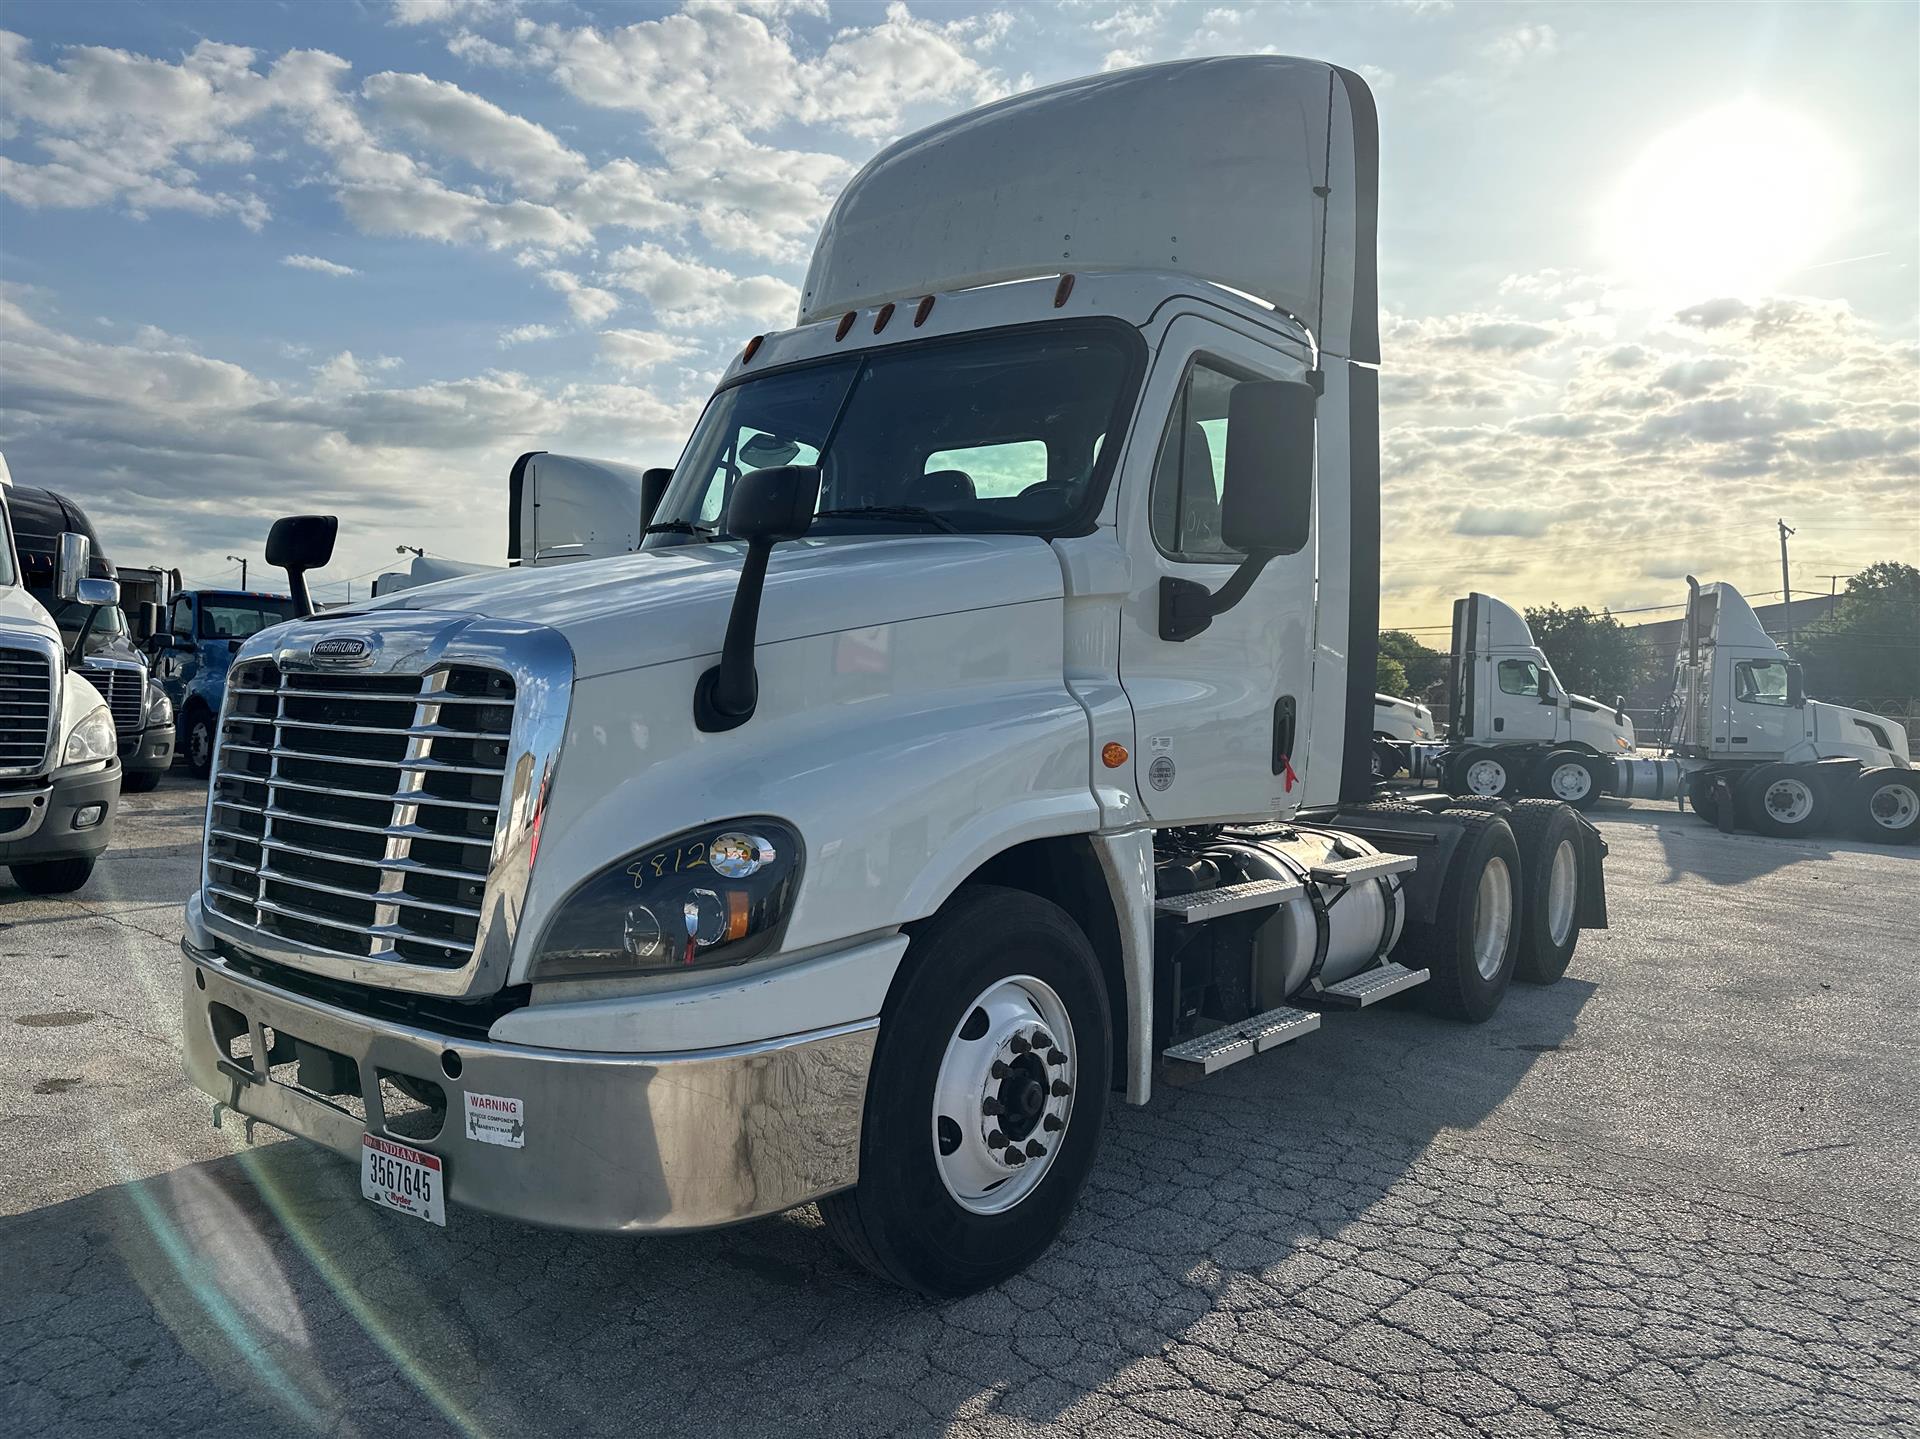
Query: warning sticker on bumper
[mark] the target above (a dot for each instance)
(496, 1119)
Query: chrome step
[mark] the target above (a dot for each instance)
(1339, 873)
(1370, 986)
(1243, 1039)
(1205, 904)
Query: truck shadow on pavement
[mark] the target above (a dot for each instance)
(262, 1290)
(1692, 847)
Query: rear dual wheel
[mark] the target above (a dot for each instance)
(1547, 836)
(1474, 940)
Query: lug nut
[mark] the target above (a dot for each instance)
(1050, 1124)
(1041, 1040)
(1035, 1149)
(991, 1106)
(996, 1140)
(999, 1070)
(1014, 1156)
(1018, 1044)
(1061, 1089)
(1056, 1057)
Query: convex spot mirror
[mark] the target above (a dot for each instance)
(97, 594)
(1266, 505)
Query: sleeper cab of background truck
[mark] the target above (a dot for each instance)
(704, 884)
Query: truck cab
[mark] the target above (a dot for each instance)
(981, 729)
(194, 647)
(59, 767)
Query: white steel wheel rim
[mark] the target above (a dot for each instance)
(1893, 807)
(1486, 777)
(1379, 770)
(1492, 917)
(1002, 1030)
(1571, 782)
(1789, 801)
(1563, 887)
(200, 743)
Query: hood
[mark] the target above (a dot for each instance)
(1838, 723)
(20, 610)
(661, 605)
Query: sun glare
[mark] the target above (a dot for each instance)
(1732, 202)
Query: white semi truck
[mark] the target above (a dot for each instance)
(1514, 728)
(59, 770)
(1749, 748)
(983, 727)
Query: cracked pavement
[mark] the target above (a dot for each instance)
(1672, 1195)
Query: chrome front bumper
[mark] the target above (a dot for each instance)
(636, 1143)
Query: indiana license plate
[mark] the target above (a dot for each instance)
(398, 1176)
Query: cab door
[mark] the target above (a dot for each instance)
(1519, 715)
(1221, 717)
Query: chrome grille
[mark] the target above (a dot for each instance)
(26, 708)
(355, 814)
(124, 691)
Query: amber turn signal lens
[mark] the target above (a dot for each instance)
(1113, 754)
(736, 914)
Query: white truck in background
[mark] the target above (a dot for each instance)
(59, 770)
(1514, 729)
(984, 725)
(1398, 721)
(1747, 747)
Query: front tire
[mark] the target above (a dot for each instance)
(53, 876)
(1783, 800)
(1474, 940)
(996, 1040)
(144, 782)
(198, 742)
(1885, 805)
(1569, 776)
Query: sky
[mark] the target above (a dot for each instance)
(1648, 272)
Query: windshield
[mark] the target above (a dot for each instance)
(1001, 432)
(109, 625)
(237, 618)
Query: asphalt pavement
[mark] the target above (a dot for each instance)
(1672, 1195)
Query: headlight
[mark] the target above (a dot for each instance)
(159, 707)
(713, 896)
(93, 738)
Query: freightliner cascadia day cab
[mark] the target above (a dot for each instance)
(983, 728)
(59, 773)
(107, 657)
(1514, 728)
(1750, 749)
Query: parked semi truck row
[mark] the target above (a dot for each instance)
(193, 643)
(99, 638)
(983, 726)
(59, 770)
(1747, 747)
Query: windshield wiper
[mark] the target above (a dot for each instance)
(892, 512)
(679, 527)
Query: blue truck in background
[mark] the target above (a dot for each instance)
(192, 650)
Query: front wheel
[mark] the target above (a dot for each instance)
(53, 876)
(1782, 800)
(1886, 805)
(140, 782)
(1570, 776)
(199, 743)
(986, 1099)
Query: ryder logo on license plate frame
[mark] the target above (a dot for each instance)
(400, 1177)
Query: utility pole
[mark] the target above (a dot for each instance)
(241, 560)
(1786, 585)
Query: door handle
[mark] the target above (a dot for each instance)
(1285, 727)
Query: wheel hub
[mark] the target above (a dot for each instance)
(1486, 777)
(1003, 1095)
(1571, 782)
(1789, 800)
(1894, 807)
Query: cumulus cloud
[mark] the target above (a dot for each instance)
(1523, 43)
(635, 351)
(684, 292)
(586, 303)
(466, 127)
(317, 265)
(526, 334)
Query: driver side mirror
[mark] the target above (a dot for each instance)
(298, 543)
(653, 489)
(1266, 501)
(146, 621)
(768, 506)
(1547, 696)
(1796, 686)
(71, 562)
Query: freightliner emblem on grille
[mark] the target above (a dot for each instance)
(345, 650)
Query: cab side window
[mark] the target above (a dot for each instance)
(1520, 677)
(1760, 682)
(1191, 467)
